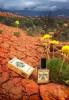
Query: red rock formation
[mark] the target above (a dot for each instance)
(54, 92)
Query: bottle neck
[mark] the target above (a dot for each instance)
(43, 63)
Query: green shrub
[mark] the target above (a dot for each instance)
(32, 31)
(55, 75)
(17, 34)
(64, 36)
(27, 22)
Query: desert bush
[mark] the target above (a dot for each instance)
(27, 22)
(54, 65)
(30, 31)
(17, 34)
(8, 20)
(59, 22)
(64, 36)
(34, 30)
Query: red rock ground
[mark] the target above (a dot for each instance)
(12, 85)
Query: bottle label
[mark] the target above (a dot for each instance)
(43, 76)
(22, 66)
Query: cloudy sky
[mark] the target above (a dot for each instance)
(34, 4)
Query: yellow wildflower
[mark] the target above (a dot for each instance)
(17, 22)
(54, 42)
(46, 36)
(65, 49)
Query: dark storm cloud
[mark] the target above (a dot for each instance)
(34, 4)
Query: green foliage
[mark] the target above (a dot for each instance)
(59, 22)
(37, 25)
(30, 31)
(27, 22)
(64, 36)
(34, 31)
(1, 19)
(7, 20)
(54, 65)
(51, 22)
(17, 34)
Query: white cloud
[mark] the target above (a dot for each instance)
(29, 4)
(59, 0)
(20, 5)
(53, 7)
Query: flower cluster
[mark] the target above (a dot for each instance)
(54, 42)
(46, 36)
(65, 49)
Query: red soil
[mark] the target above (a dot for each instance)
(12, 85)
(8, 14)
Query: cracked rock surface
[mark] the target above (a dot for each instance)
(12, 85)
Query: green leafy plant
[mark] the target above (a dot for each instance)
(17, 34)
(54, 65)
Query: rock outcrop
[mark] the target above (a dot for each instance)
(54, 92)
